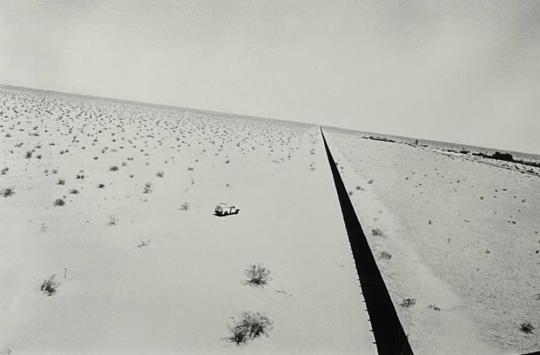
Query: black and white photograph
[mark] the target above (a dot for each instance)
(270, 177)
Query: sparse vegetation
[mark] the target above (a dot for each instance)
(59, 202)
(147, 188)
(526, 327)
(249, 326)
(385, 255)
(408, 302)
(113, 221)
(434, 307)
(257, 275)
(7, 192)
(184, 207)
(143, 243)
(377, 232)
(49, 286)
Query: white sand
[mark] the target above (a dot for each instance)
(177, 294)
(477, 260)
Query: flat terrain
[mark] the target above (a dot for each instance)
(116, 200)
(142, 263)
(456, 234)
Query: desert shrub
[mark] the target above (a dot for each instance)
(113, 221)
(49, 286)
(160, 174)
(4, 170)
(74, 191)
(28, 154)
(257, 275)
(61, 182)
(59, 202)
(434, 307)
(386, 255)
(526, 327)
(147, 188)
(113, 168)
(408, 302)
(143, 243)
(8, 191)
(249, 326)
(185, 206)
(377, 232)
(100, 186)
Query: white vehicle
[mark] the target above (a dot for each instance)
(224, 209)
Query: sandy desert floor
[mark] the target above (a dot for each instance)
(116, 200)
(457, 236)
(142, 263)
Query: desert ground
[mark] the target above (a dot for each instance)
(116, 200)
(456, 237)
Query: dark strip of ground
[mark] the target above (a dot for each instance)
(389, 334)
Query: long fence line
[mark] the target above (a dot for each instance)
(389, 335)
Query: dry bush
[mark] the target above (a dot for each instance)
(377, 232)
(526, 327)
(49, 286)
(249, 326)
(408, 302)
(385, 255)
(257, 275)
(7, 192)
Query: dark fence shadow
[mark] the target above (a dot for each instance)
(389, 334)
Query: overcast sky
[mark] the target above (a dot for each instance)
(460, 71)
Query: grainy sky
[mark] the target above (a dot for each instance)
(460, 71)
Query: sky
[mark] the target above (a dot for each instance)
(459, 71)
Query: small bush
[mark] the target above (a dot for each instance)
(526, 327)
(113, 168)
(408, 302)
(249, 326)
(49, 286)
(386, 255)
(9, 191)
(4, 171)
(377, 232)
(74, 191)
(184, 207)
(100, 186)
(147, 188)
(113, 221)
(257, 275)
(61, 182)
(143, 243)
(160, 174)
(59, 202)
(434, 307)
